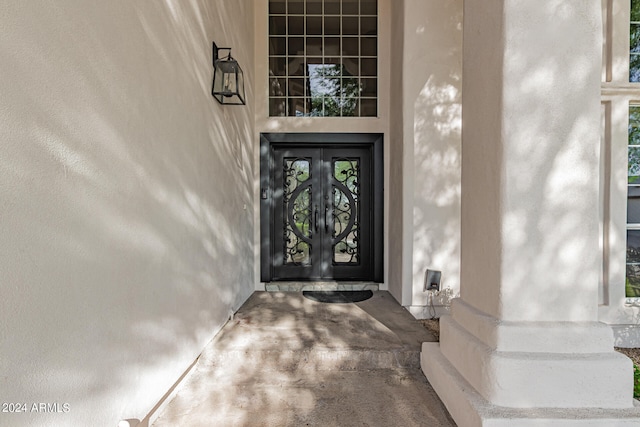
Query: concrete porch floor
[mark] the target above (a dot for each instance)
(285, 360)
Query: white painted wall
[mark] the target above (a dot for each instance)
(396, 220)
(526, 131)
(432, 80)
(125, 200)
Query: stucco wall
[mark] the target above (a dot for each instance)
(126, 211)
(395, 153)
(432, 146)
(530, 138)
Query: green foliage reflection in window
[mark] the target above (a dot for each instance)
(634, 145)
(634, 42)
(632, 287)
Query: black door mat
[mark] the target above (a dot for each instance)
(337, 297)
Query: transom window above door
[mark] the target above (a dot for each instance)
(323, 58)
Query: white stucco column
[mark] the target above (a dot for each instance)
(522, 345)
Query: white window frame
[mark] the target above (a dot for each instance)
(617, 95)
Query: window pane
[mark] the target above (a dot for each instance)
(296, 25)
(296, 46)
(296, 7)
(634, 125)
(277, 25)
(634, 115)
(350, 67)
(350, 25)
(332, 61)
(277, 87)
(296, 66)
(325, 81)
(634, 68)
(332, 46)
(314, 46)
(368, 7)
(316, 107)
(332, 85)
(633, 205)
(369, 46)
(349, 7)
(633, 168)
(634, 135)
(331, 106)
(633, 281)
(312, 63)
(349, 107)
(635, 10)
(634, 38)
(277, 7)
(634, 165)
(332, 7)
(314, 25)
(314, 7)
(369, 87)
(277, 46)
(349, 90)
(278, 66)
(369, 26)
(317, 87)
(368, 108)
(277, 107)
(296, 87)
(298, 107)
(633, 264)
(368, 67)
(332, 25)
(350, 46)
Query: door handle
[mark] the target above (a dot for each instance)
(315, 219)
(326, 222)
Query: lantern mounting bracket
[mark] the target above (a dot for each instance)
(216, 55)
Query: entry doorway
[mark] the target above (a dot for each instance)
(321, 207)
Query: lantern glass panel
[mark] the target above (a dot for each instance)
(228, 82)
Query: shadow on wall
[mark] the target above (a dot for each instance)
(540, 262)
(530, 165)
(549, 228)
(127, 215)
(436, 146)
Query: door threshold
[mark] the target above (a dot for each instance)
(320, 286)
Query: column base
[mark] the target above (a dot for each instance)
(469, 409)
(529, 364)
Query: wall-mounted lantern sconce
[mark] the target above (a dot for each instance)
(228, 79)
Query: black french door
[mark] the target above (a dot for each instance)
(321, 207)
(321, 213)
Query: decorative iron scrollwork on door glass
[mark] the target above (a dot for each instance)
(297, 211)
(346, 211)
